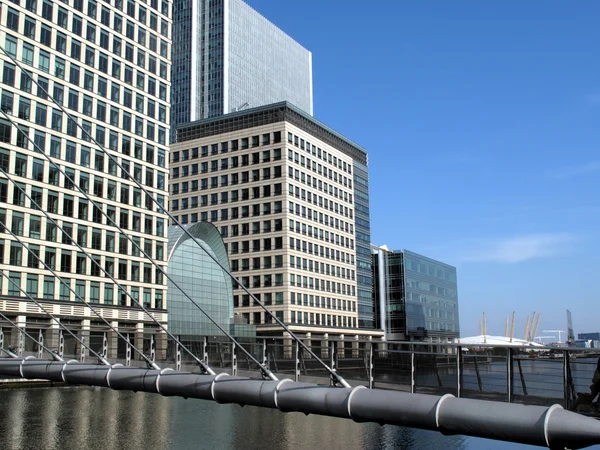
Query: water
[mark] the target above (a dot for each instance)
(97, 418)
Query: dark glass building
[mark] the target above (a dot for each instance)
(414, 297)
(227, 57)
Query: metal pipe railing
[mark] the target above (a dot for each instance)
(551, 427)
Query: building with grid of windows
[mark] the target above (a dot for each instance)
(280, 186)
(107, 64)
(415, 297)
(227, 56)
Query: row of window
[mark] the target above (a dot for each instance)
(54, 119)
(127, 220)
(225, 147)
(224, 197)
(322, 268)
(144, 175)
(225, 163)
(50, 202)
(320, 250)
(72, 290)
(320, 233)
(321, 154)
(61, 42)
(81, 154)
(322, 285)
(325, 188)
(91, 7)
(319, 169)
(300, 318)
(255, 210)
(79, 263)
(36, 227)
(264, 262)
(316, 301)
(87, 80)
(230, 179)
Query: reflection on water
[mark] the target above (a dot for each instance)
(96, 418)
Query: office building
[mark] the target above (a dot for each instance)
(282, 189)
(108, 64)
(226, 57)
(415, 297)
(589, 336)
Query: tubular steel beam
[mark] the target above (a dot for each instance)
(551, 427)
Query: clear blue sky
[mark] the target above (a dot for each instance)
(482, 124)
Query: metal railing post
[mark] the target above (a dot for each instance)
(297, 363)
(152, 348)
(105, 345)
(128, 352)
(459, 361)
(21, 344)
(413, 361)
(178, 354)
(205, 349)
(509, 375)
(1, 337)
(61, 343)
(371, 378)
(333, 354)
(82, 350)
(566, 383)
(479, 383)
(264, 354)
(233, 360)
(41, 342)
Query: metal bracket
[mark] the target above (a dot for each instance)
(333, 381)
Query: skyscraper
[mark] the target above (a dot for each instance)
(226, 57)
(107, 64)
(281, 187)
(415, 297)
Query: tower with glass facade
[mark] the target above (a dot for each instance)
(415, 297)
(227, 57)
(108, 65)
(280, 186)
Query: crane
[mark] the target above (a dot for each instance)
(559, 332)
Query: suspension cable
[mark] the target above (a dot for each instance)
(202, 364)
(332, 372)
(55, 355)
(53, 317)
(77, 296)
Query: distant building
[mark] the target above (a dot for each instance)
(589, 336)
(227, 57)
(415, 297)
(192, 269)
